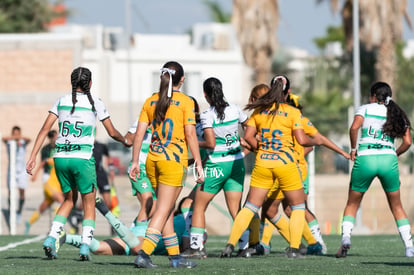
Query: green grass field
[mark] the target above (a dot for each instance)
(379, 254)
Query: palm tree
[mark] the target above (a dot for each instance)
(380, 27)
(256, 22)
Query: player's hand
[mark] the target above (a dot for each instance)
(200, 172)
(30, 166)
(353, 155)
(134, 172)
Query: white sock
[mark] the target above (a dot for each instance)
(87, 234)
(405, 233)
(347, 227)
(57, 227)
(316, 232)
(196, 240)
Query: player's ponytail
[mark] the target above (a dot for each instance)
(397, 120)
(171, 75)
(81, 78)
(214, 91)
(279, 87)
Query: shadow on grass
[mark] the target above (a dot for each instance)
(25, 257)
(389, 263)
(115, 263)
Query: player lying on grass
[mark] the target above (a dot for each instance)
(129, 241)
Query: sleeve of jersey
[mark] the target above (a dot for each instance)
(206, 120)
(101, 110)
(242, 115)
(133, 127)
(143, 117)
(189, 115)
(360, 111)
(252, 120)
(308, 127)
(54, 109)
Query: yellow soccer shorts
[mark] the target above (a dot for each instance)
(284, 177)
(167, 172)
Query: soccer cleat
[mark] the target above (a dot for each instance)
(49, 246)
(101, 206)
(143, 260)
(177, 261)
(294, 253)
(409, 252)
(303, 249)
(314, 249)
(60, 240)
(191, 253)
(84, 252)
(253, 250)
(27, 228)
(227, 251)
(343, 249)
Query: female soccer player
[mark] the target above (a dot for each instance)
(171, 115)
(270, 208)
(276, 124)
(380, 121)
(224, 167)
(74, 164)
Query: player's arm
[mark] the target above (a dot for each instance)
(406, 143)
(250, 137)
(47, 125)
(353, 134)
(209, 141)
(112, 132)
(330, 145)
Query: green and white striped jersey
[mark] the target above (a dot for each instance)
(373, 141)
(226, 132)
(146, 142)
(77, 131)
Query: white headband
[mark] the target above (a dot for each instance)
(387, 100)
(284, 81)
(170, 72)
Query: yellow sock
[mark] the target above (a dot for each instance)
(35, 216)
(297, 223)
(268, 228)
(307, 235)
(241, 222)
(171, 244)
(152, 237)
(254, 236)
(282, 225)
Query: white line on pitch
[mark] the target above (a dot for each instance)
(27, 241)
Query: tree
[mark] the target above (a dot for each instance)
(256, 22)
(216, 12)
(26, 16)
(380, 30)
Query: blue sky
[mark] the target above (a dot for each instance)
(301, 20)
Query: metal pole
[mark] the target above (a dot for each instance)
(357, 88)
(12, 187)
(356, 61)
(129, 65)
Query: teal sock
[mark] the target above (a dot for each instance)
(74, 240)
(94, 245)
(123, 232)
